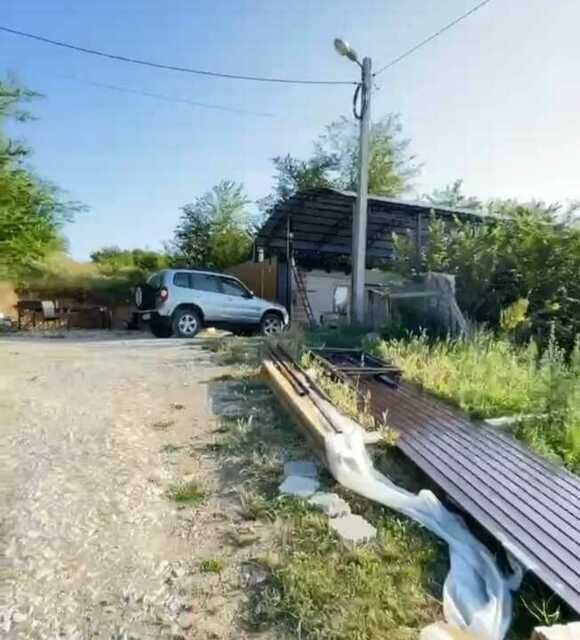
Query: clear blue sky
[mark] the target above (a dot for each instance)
(494, 101)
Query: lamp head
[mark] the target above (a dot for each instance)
(344, 49)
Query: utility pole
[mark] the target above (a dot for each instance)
(359, 214)
(359, 218)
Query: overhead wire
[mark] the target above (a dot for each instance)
(171, 67)
(432, 37)
(160, 96)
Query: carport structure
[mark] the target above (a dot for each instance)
(319, 221)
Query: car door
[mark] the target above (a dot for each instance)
(207, 294)
(240, 305)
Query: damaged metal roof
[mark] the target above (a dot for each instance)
(321, 222)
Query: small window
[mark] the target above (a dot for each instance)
(181, 279)
(204, 282)
(233, 288)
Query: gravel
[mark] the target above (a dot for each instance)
(93, 548)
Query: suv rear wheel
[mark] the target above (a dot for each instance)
(271, 324)
(186, 323)
(160, 330)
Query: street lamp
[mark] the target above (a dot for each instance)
(344, 49)
(359, 218)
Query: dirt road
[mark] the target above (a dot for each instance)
(92, 434)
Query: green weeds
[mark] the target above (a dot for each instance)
(212, 565)
(490, 377)
(320, 589)
(189, 492)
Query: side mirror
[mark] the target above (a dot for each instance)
(251, 294)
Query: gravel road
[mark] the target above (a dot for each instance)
(92, 547)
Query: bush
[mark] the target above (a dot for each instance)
(532, 253)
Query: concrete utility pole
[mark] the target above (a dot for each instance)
(359, 217)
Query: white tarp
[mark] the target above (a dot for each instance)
(477, 598)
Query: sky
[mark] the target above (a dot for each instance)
(494, 101)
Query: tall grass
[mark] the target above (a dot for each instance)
(490, 377)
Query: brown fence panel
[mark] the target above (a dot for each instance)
(260, 277)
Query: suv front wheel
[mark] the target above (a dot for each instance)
(271, 324)
(186, 323)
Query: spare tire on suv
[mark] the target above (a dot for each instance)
(145, 296)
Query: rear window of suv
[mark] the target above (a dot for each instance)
(205, 282)
(181, 280)
(155, 281)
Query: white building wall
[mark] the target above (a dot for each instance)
(320, 286)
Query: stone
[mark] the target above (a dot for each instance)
(558, 632)
(186, 620)
(253, 574)
(354, 529)
(304, 468)
(330, 504)
(299, 486)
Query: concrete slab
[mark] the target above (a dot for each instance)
(354, 529)
(558, 632)
(299, 486)
(305, 468)
(330, 504)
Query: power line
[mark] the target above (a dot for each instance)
(170, 67)
(432, 37)
(160, 96)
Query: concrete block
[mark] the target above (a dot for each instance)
(558, 632)
(353, 529)
(299, 486)
(444, 631)
(330, 504)
(305, 468)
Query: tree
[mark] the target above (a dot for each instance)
(391, 167)
(334, 163)
(214, 230)
(113, 260)
(452, 196)
(32, 211)
(522, 252)
(293, 175)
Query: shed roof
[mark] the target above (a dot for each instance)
(321, 221)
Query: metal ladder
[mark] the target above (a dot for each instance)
(303, 295)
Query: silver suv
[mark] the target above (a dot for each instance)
(180, 301)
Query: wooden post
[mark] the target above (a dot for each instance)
(289, 265)
(418, 241)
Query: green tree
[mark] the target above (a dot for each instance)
(32, 211)
(334, 163)
(521, 252)
(391, 166)
(113, 260)
(215, 230)
(293, 175)
(452, 196)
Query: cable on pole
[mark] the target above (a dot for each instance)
(170, 67)
(166, 98)
(432, 37)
